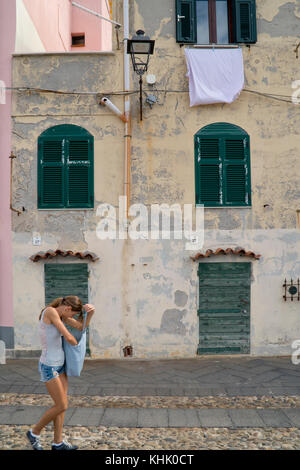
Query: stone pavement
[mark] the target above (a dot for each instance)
(229, 376)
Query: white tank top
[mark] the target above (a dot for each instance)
(51, 339)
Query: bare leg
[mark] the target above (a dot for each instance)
(57, 392)
(59, 419)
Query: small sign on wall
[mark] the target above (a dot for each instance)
(36, 240)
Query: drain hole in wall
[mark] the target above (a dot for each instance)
(128, 351)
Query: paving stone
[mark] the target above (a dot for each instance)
(5, 414)
(27, 415)
(214, 418)
(275, 418)
(4, 388)
(183, 418)
(120, 417)
(245, 418)
(293, 414)
(85, 417)
(152, 418)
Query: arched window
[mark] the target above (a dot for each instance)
(222, 166)
(65, 168)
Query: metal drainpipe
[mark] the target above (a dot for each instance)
(127, 127)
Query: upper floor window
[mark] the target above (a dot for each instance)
(65, 168)
(216, 21)
(222, 166)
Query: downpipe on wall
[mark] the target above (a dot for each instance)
(126, 116)
(126, 119)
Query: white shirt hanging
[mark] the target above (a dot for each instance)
(215, 75)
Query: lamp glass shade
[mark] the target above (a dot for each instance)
(141, 47)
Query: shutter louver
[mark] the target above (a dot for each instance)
(235, 171)
(79, 150)
(79, 177)
(235, 184)
(78, 185)
(209, 148)
(186, 21)
(52, 151)
(52, 185)
(245, 19)
(209, 184)
(234, 149)
(50, 178)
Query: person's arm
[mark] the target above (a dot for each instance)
(90, 309)
(56, 321)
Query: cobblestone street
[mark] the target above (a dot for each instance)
(113, 438)
(205, 413)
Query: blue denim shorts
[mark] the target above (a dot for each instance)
(50, 372)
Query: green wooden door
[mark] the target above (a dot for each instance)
(62, 280)
(224, 308)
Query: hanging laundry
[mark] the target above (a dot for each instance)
(215, 75)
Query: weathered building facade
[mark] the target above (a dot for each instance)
(152, 299)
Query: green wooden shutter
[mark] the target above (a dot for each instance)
(66, 279)
(224, 308)
(50, 173)
(208, 171)
(79, 173)
(236, 168)
(245, 21)
(62, 280)
(186, 24)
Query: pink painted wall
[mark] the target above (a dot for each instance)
(7, 45)
(55, 20)
(97, 32)
(52, 20)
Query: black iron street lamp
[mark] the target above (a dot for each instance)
(140, 47)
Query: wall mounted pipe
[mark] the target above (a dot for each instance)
(106, 102)
(118, 25)
(127, 110)
(126, 116)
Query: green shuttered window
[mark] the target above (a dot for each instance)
(216, 21)
(65, 168)
(222, 166)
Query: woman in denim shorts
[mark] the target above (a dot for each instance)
(51, 364)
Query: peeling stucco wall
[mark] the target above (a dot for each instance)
(146, 291)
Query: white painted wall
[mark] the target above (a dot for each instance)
(134, 283)
(27, 37)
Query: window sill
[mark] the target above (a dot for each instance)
(69, 209)
(216, 46)
(224, 207)
(63, 53)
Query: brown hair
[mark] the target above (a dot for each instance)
(71, 300)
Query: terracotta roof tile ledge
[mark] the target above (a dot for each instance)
(235, 251)
(51, 254)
